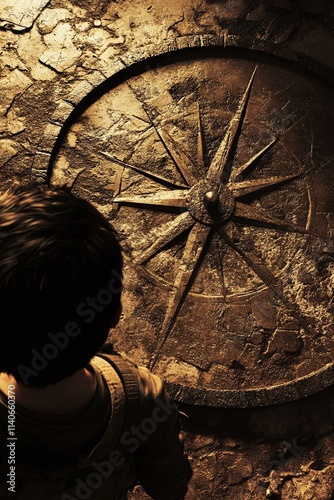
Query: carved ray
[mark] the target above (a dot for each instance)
(249, 187)
(156, 177)
(117, 186)
(200, 138)
(222, 157)
(258, 217)
(242, 169)
(176, 198)
(187, 270)
(171, 231)
(182, 162)
(256, 264)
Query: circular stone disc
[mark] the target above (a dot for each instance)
(238, 312)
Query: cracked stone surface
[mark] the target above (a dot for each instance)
(61, 52)
(15, 83)
(20, 15)
(55, 53)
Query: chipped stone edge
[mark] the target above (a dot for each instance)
(261, 396)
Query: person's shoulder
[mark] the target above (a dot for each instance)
(150, 385)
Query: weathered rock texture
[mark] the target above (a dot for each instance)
(94, 91)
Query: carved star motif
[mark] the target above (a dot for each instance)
(206, 204)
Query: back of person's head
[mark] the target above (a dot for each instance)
(60, 283)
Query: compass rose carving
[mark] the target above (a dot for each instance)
(216, 170)
(206, 204)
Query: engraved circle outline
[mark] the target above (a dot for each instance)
(42, 165)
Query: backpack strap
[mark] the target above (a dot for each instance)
(128, 375)
(128, 394)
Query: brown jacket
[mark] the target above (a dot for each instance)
(101, 451)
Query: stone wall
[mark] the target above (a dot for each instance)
(53, 54)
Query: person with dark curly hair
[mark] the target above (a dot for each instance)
(78, 420)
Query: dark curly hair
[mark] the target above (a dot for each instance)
(60, 282)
